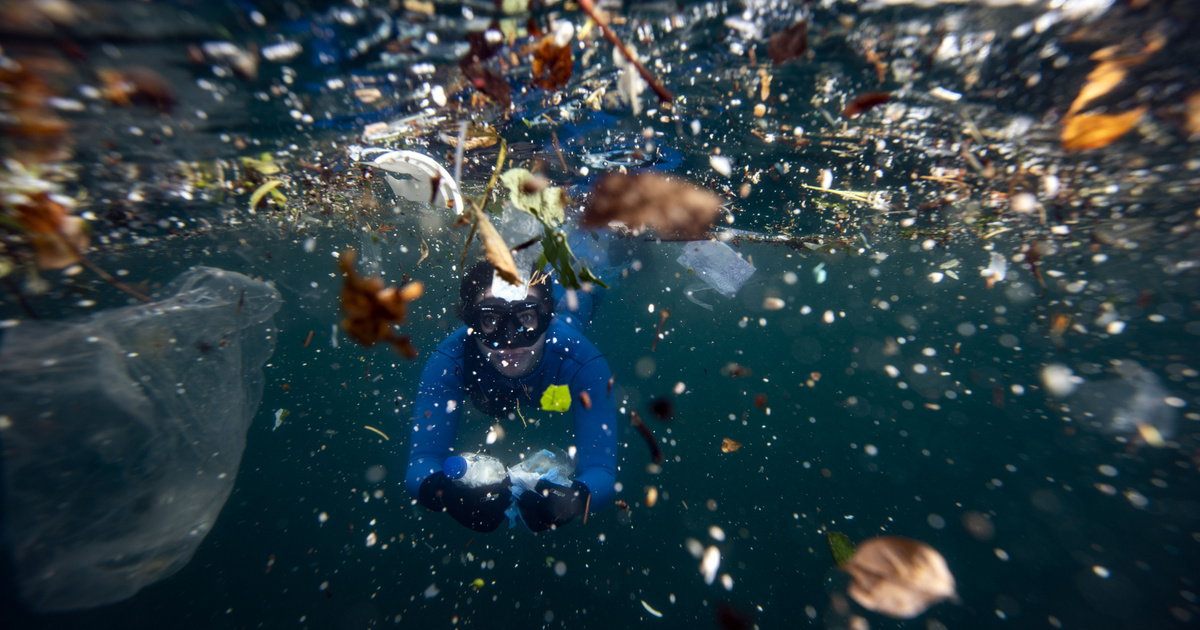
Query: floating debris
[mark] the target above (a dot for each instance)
(670, 206)
(556, 398)
(899, 577)
(656, 453)
(376, 431)
(372, 310)
(730, 446)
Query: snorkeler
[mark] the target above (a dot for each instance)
(511, 349)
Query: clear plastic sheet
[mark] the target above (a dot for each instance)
(122, 435)
(717, 265)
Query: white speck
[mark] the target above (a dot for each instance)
(560, 568)
(1101, 571)
(944, 94)
(710, 564)
(819, 273)
(717, 533)
(826, 178)
(997, 269)
(322, 517)
(1107, 470)
(891, 370)
(1059, 380)
(679, 388)
(1000, 553)
(1115, 327)
(936, 277)
(829, 317)
(720, 164)
(727, 581)
(431, 591)
(871, 450)
(650, 610)
(371, 539)
(439, 95)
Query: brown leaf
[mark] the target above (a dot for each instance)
(489, 83)
(61, 249)
(138, 84)
(1100, 81)
(1092, 131)
(730, 446)
(671, 206)
(554, 62)
(864, 103)
(481, 48)
(790, 43)
(495, 248)
(1192, 124)
(899, 577)
(372, 310)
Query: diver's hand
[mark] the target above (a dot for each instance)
(480, 509)
(552, 505)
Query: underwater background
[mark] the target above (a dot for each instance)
(973, 319)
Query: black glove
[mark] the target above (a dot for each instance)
(552, 505)
(480, 509)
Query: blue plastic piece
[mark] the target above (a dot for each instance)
(455, 467)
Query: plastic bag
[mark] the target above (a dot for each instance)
(717, 265)
(474, 470)
(542, 465)
(122, 435)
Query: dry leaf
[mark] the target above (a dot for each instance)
(372, 310)
(669, 205)
(1092, 131)
(864, 103)
(554, 62)
(57, 236)
(489, 83)
(1192, 124)
(130, 85)
(1100, 81)
(790, 43)
(730, 446)
(899, 577)
(495, 248)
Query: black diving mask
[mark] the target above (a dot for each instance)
(503, 324)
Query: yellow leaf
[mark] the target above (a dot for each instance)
(1100, 81)
(1092, 131)
(262, 191)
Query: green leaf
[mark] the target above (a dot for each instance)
(546, 204)
(556, 398)
(840, 546)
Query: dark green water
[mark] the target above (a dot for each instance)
(894, 403)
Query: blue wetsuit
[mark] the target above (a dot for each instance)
(457, 370)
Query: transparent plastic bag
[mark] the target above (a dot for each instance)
(122, 435)
(474, 470)
(717, 265)
(543, 465)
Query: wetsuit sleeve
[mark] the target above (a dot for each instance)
(595, 432)
(435, 423)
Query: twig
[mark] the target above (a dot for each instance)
(663, 95)
(100, 272)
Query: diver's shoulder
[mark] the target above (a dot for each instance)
(454, 346)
